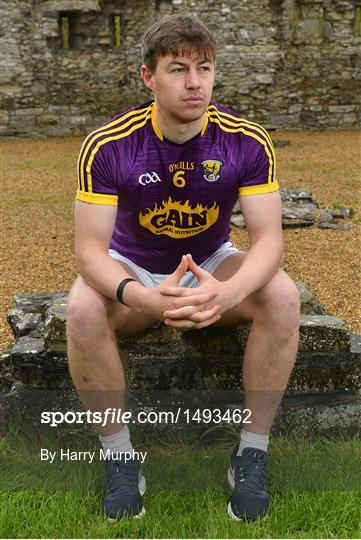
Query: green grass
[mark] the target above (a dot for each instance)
(315, 487)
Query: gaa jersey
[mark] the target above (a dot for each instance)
(171, 198)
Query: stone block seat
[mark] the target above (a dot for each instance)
(195, 368)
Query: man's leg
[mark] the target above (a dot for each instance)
(94, 361)
(269, 357)
(97, 372)
(270, 353)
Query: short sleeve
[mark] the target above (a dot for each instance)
(259, 170)
(96, 180)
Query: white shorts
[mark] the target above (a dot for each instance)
(148, 279)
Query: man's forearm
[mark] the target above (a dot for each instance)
(260, 264)
(103, 273)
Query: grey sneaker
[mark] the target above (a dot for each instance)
(247, 476)
(125, 487)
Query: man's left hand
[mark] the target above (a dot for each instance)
(188, 317)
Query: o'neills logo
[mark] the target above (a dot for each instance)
(179, 220)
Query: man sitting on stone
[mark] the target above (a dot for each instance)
(157, 185)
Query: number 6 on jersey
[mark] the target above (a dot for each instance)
(179, 180)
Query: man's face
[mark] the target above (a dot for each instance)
(182, 86)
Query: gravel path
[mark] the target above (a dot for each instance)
(39, 182)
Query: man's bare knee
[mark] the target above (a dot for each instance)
(280, 300)
(92, 317)
(87, 313)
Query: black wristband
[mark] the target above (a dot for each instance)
(120, 289)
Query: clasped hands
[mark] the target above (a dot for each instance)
(187, 308)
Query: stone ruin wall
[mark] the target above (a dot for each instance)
(288, 64)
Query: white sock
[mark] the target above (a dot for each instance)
(119, 442)
(252, 440)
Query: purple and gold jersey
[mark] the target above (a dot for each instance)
(173, 198)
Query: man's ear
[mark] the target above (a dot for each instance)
(147, 77)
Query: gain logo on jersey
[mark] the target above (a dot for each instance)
(179, 220)
(211, 169)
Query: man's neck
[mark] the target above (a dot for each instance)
(177, 132)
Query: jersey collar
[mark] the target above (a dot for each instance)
(160, 134)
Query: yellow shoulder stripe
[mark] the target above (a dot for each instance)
(110, 125)
(106, 130)
(243, 121)
(108, 139)
(240, 128)
(236, 121)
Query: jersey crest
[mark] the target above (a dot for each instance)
(211, 169)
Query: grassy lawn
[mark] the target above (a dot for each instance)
(315, 486)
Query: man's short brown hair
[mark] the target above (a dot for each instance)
(178, 34)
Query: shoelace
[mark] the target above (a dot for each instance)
(121, 476)
(251, 473)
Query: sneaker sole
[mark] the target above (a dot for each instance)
(142, 486)
(244, 518)
(231, 483)
(231, 514)
(138, 516)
